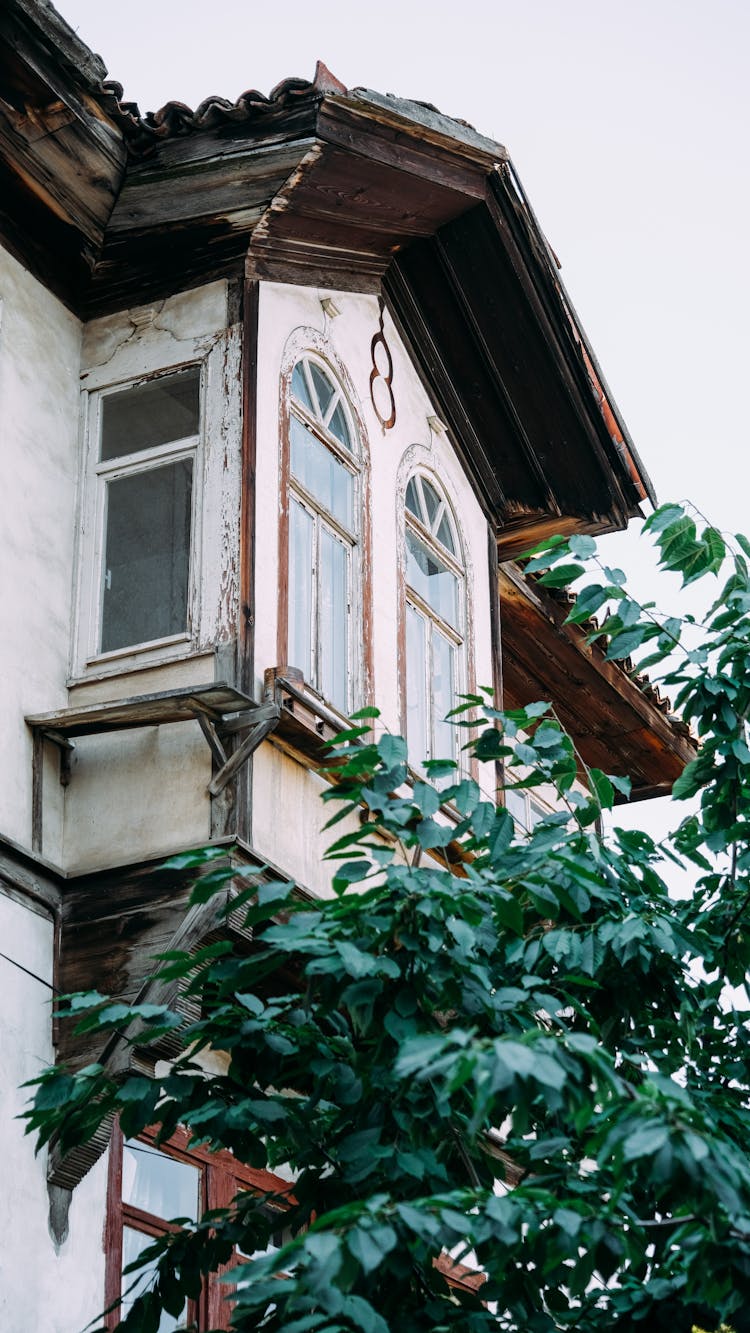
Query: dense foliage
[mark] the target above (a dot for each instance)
(474, 1004)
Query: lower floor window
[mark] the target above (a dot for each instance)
(148, 1186)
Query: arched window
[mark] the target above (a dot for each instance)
(435, 619)
(324, 533)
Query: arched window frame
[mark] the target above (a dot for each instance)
(308, 345)
(414, 603)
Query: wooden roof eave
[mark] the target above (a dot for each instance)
(62, 157)
(543, 265)
(615, 724)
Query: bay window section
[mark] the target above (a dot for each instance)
(435, 596)
(324, 494)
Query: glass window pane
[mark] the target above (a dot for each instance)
(133, 1284)
(322, 474)
(147, 555)
(536, 812)
(443, 695)
(159, 1184)
(412, 499)
(333, 618)
(431, 501)
(515, 804)
(150, 414)
(429, 577)
(445, 535)
(299, 387)
(301, 529)
(338, 427)
(323, 388)
(417, 722)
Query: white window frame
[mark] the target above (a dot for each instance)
(323, 519)
(92, 545)
(455, 635)
(535, 808)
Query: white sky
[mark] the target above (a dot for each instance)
(628, 123)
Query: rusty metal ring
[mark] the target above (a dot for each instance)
(379, 340)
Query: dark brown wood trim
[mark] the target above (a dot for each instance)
(37, 784)
(250, 317)
(113, 1229)
(245, 667)
(496, 636)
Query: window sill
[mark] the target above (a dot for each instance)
(134, 663)
(306, 725)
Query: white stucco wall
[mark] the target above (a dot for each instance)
(287, 813)
(39, 359)
(43, 1288)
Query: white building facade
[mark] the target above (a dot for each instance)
(284, 385)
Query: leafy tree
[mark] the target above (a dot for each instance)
(518, 1051)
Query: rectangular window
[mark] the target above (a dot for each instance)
(319, 604)
(431, 685)
(147, 555)
(142, 483)
(148, 1187)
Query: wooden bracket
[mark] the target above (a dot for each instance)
(257, 722)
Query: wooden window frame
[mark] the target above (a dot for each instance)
(457, 636)
(307, 344)
(97, 473)
(222, 1177)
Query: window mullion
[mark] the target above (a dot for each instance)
(429, 702)
(315, 583)
(147, 458)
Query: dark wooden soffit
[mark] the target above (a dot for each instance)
(618, 725)
(482, 310)
(62, 157)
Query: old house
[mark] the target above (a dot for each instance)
(285, 385)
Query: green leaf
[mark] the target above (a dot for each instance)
(603, 788)
(663, 517)
(392, 750)
(581, 546)
(587, 603)
(56, 1090)
(675, 541)
(501, 836)
(561, 576)
(191, 860)
(645, 1141)
(370, 1246)
(623, 644)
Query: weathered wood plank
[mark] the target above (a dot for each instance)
(341, 186)
(617, 727)
(143, 710)
(345, 125)
(241, 182)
